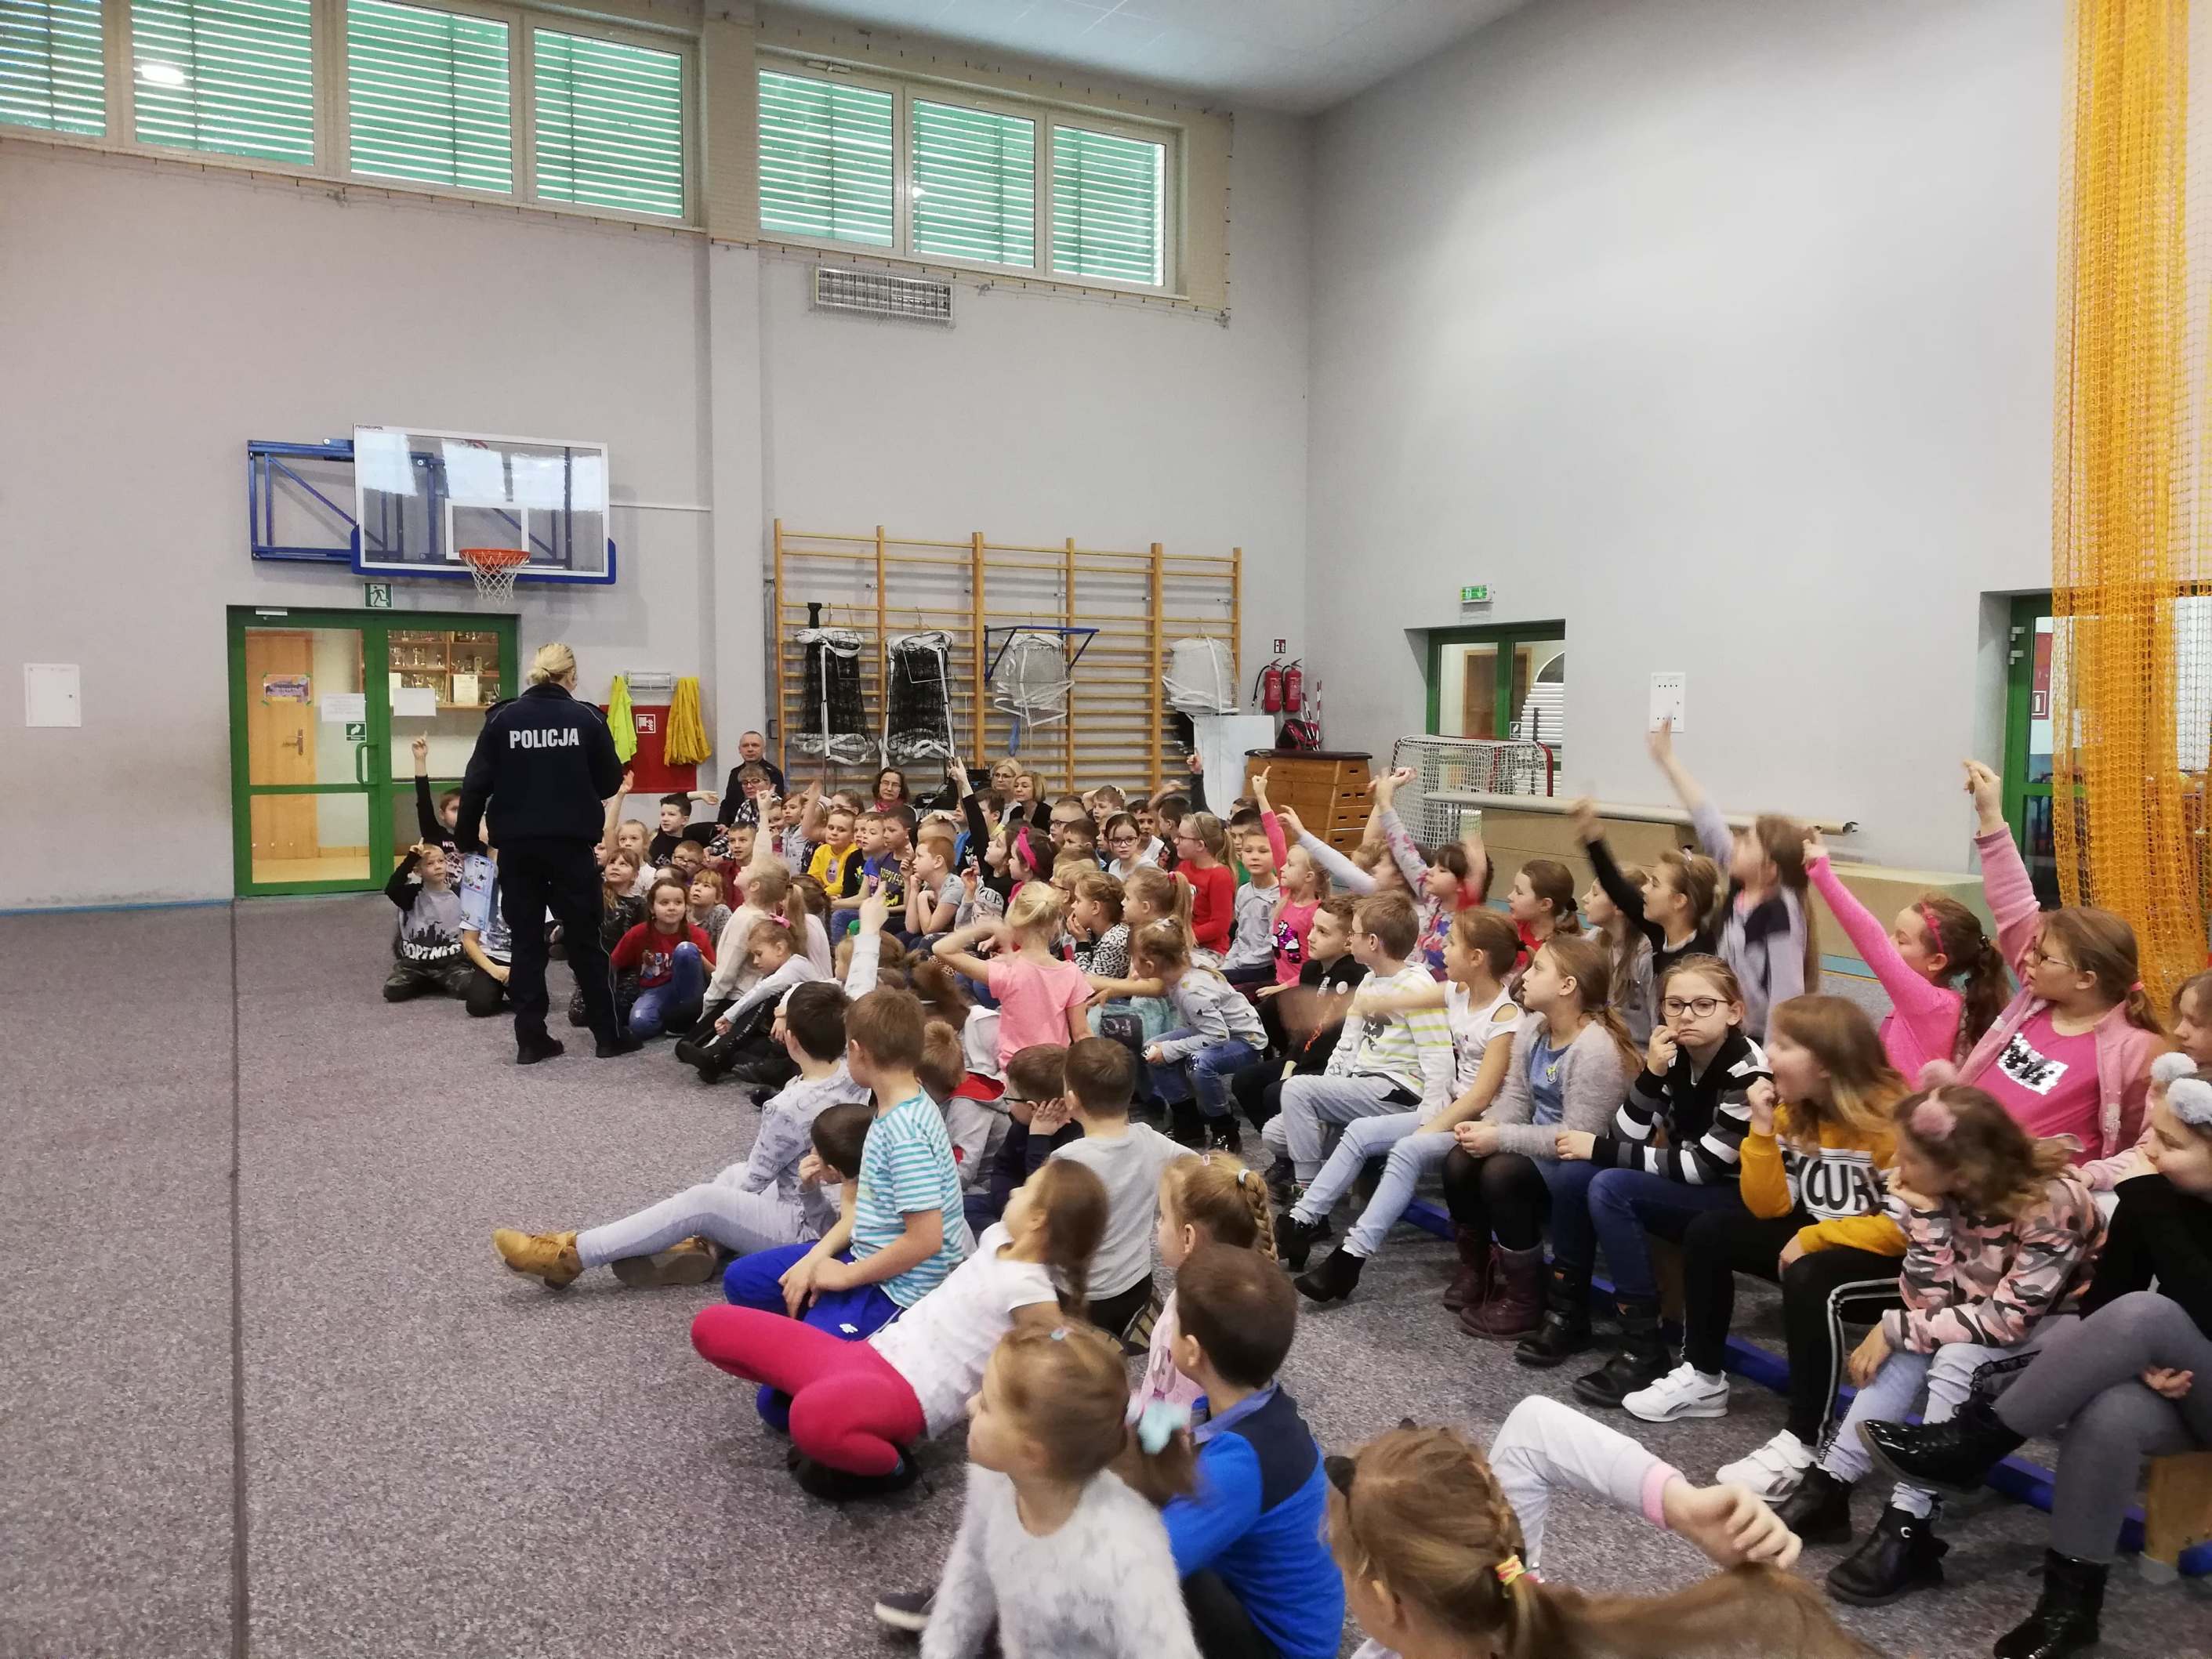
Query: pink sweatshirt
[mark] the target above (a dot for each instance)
(1293, 921)
(1922, 1023)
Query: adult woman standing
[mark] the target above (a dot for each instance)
(546, 765)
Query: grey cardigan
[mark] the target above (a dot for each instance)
(1593, 1082)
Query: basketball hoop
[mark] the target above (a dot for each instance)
(494, 568)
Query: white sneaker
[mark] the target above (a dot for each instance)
(1685, 1391)
(1773, 1471)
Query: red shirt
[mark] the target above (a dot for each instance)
(653, 953)
(1213, 906)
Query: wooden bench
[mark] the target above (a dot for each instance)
(2177, 1514)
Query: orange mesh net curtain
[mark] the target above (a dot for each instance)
(2129, 716)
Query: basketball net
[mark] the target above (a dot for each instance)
(495, 569)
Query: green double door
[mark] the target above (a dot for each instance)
(1499, 682)
(325, 709)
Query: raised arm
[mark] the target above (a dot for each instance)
(1411, 864)
(2005, 883)
(953, 949)
(400, 889)
(1334, 865)
(1626, 897)
(427, 827)
(1269, 823)
(1704, 818)
(614, 816)
(1930, 1012)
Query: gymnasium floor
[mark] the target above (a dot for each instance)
(311, 1416)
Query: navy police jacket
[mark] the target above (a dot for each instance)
(547, 765)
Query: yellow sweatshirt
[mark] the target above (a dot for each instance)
(1839, 1185)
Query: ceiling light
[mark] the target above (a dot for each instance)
(162, 75)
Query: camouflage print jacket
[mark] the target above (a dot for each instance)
(1987, 1282)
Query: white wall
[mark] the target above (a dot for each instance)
(157, 318)
(1722, 329)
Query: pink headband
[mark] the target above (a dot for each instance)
(1928, 921)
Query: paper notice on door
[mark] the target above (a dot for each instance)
(414, 702)
(339, 706)
(465, 691)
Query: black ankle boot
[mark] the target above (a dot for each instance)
(1334, 1281)
(1642, 1361)
(1902, 1555)
(1566, 1331)
(1295, 1239)
(1820, 1511)
(1954, 1457)
(1185, 1127)
(2064, 1622)
(1282, 1184)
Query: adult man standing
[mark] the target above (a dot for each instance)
(546, 764)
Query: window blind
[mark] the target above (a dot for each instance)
(232, 75)
(974, 184)
(825, 159)
(609, 124)
(428, 96)
(1108, 207)
(52, 71)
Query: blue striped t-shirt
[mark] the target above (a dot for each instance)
(906, 1165)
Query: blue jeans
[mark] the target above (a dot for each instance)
(1625, 1204)
(666, 1006)
(1205, 1074)
(754, 1281)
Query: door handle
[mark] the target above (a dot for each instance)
(360, 752)
(297, 743)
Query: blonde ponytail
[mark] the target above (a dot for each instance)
(554, 665)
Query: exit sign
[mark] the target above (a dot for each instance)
(1475, 594)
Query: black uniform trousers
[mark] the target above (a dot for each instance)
(561, 875)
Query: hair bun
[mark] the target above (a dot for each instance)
(1938, 1074)
(2172, 1066)
(2190, 1099)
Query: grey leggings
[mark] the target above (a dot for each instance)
(718, 1209)
(2090, 1373)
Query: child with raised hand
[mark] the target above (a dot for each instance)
(1100, 1079)
(2070, 1053)
(764, 1202)
(1695, 1083)
(1671, 906)
(1217, 1034)
(1205, 1198)
(1302, 889)
(1567, 1071)
(1200, 844)
(426, 947)
(1456, 878)
(1823, 1134)
(1053, 1547)
(1394, 1062)
(1629, 956)
(1483, 1017)
(1437, 1563)
(856, 1410)
(2000, 1233)
(1766, 934)
(903, 1228)
(2131, 1379)
(1041, 998)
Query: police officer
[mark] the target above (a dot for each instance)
(547, 764)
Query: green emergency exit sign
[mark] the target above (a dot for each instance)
(1475, 594)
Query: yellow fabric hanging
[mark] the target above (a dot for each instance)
(621, 721)
(686, 743)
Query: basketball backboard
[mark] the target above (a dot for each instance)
(421, 498)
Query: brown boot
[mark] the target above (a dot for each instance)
(687, 1262)
(549, 1256)
(1471, 1283)
(1516, 1306)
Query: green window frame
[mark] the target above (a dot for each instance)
(974, 185)
(827, 166)
(1108, 207)
(1508, 638)
(430, 97)
(608, 123)
(53, 66)
(236, 77)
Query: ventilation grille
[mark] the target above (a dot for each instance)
(879, 293)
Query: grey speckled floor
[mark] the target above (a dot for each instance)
(443, 1460)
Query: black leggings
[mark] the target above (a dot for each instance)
(1816, 1292)
(485, 996)
(1502, 1196)
(1219, 1623)
(1112, 1313)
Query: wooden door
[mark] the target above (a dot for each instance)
(280, 737)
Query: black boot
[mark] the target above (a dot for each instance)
(1954, 1457)
(1820, 1511)
(1902, 1555)
(1295, 1239)
(707, 1053)
(1643, 1358)
(1186, 1128)
(1225, 1136)
(537, 1046)
(2064, 1622)
(1334, 1281)
(1566, 1331)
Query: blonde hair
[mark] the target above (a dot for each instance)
(1096, 885)
(1037, 911)
(553, 662)
(1589, 964)
(1163, 944)
(1217, 1194)
(1418, 1510)
(1150, 884)
(1067, 1390)
(1696, 878)
(1211, 833)
(1863, 1087)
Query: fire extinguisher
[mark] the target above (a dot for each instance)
(1294, 686)
(1270, 688)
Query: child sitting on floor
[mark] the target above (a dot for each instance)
(709, 914)
(1248, 1539)
(737, 1043)
(1041, 998)
(1100, 1079)
(758, 1205)
(1205, 1198)
(857, 1410)
(1217, 1034)
(1250, 961)
(426, 947)
(902, 1232)
(1036, 1080)
(672, 958)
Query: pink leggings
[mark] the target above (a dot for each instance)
(850, 1408)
